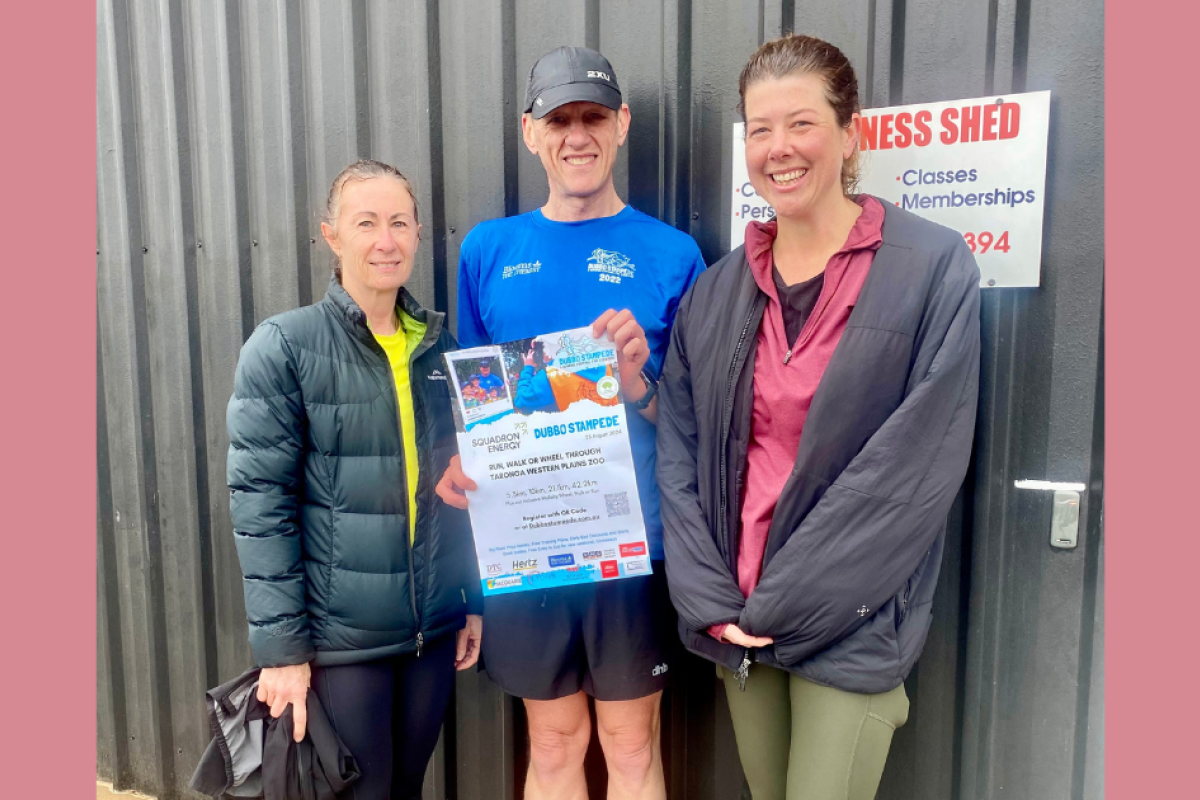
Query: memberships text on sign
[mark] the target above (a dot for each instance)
(977, 166)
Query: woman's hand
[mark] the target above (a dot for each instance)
(469, 639)
(278, 686)
(735, 635)
(633, 351)
(454, 485)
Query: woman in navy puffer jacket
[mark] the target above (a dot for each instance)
(359, 581)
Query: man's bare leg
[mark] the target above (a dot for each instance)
(629, 734)
(559, 731)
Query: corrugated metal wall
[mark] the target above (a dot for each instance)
(220, 124)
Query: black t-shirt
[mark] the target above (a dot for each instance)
(798, 301)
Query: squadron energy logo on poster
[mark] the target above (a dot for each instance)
(977, 166)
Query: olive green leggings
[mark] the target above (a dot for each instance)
(799, 740)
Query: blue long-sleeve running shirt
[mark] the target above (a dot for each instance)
(526, 275)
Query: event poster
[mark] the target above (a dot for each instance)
(977, 166)
(542, 431)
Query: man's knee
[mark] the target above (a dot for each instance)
(556, 747)
(630, 745)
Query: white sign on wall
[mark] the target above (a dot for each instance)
(977, 166)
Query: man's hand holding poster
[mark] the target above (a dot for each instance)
(542, 432)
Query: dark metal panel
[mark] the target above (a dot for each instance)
(110, 699)
(121, 297)
(1028, 631)
(1063, 57)
(487, 750)
(178, 632)
(631, 37)
(944, 55)
(267, 56)
(846, 25)
(876, 84)
(1091, 752)
(221, 265)
(334, 83)
(723, 37)
(1003, 33)
(1088, 780)
(480, 123)
(112, 745)
(677, 112)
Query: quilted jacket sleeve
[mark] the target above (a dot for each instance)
(703, 589)
(265, 471)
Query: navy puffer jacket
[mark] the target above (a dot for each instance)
(318, 491)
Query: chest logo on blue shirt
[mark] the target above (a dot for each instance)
(528, 268)
(610, 265)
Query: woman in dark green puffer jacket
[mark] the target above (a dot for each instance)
(356, 576)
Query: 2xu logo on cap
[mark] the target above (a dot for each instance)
(608, 569)
(635, 549)
(593, 73)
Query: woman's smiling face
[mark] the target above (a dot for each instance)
(376, 234)
(795, 147)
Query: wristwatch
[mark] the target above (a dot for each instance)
(651, 390)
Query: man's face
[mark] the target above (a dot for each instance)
(485, 370)
(577, 144)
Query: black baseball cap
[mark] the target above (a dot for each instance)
(571, 75)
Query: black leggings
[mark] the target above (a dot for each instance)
(389, 713)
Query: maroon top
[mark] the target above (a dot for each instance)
(787, 373)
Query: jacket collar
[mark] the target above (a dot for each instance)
(867, 233)
(354, 319)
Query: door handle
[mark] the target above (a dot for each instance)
(1064, 519)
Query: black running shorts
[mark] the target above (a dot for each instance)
(615, 640)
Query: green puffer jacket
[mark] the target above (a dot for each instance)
(318, 491)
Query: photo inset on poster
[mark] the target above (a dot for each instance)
(547, 444)
(481, 384)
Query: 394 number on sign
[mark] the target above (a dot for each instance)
(984, 240)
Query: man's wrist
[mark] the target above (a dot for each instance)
(647, 389)
(635, 390)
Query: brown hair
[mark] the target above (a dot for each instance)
(361, 170)
(808, 54)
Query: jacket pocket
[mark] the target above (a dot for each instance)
(902, 601)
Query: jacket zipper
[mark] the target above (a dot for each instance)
(408, 540)
(725, 423)
(412, 550)
(419, 351)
